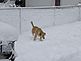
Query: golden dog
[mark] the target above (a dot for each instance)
(36, 31)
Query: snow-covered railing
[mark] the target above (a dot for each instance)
(20, 17)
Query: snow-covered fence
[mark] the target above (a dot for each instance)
(66, 15)
(41, 16)
(48, 16)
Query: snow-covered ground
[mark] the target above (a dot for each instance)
(62, 43)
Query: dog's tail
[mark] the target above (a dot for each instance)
(32, 23)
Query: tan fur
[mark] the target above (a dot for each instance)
(36, 31)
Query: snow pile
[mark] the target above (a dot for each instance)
(60, 43)
(8, 32)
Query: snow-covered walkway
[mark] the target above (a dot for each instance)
(62, 43)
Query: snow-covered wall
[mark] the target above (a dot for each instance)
(41, 16)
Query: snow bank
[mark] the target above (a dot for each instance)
(8, 32)
(60, 43)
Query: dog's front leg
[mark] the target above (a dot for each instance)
(35, 37)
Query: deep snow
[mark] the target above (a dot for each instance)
(62, 43)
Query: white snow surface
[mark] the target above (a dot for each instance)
(8, 32)
(62, 43)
